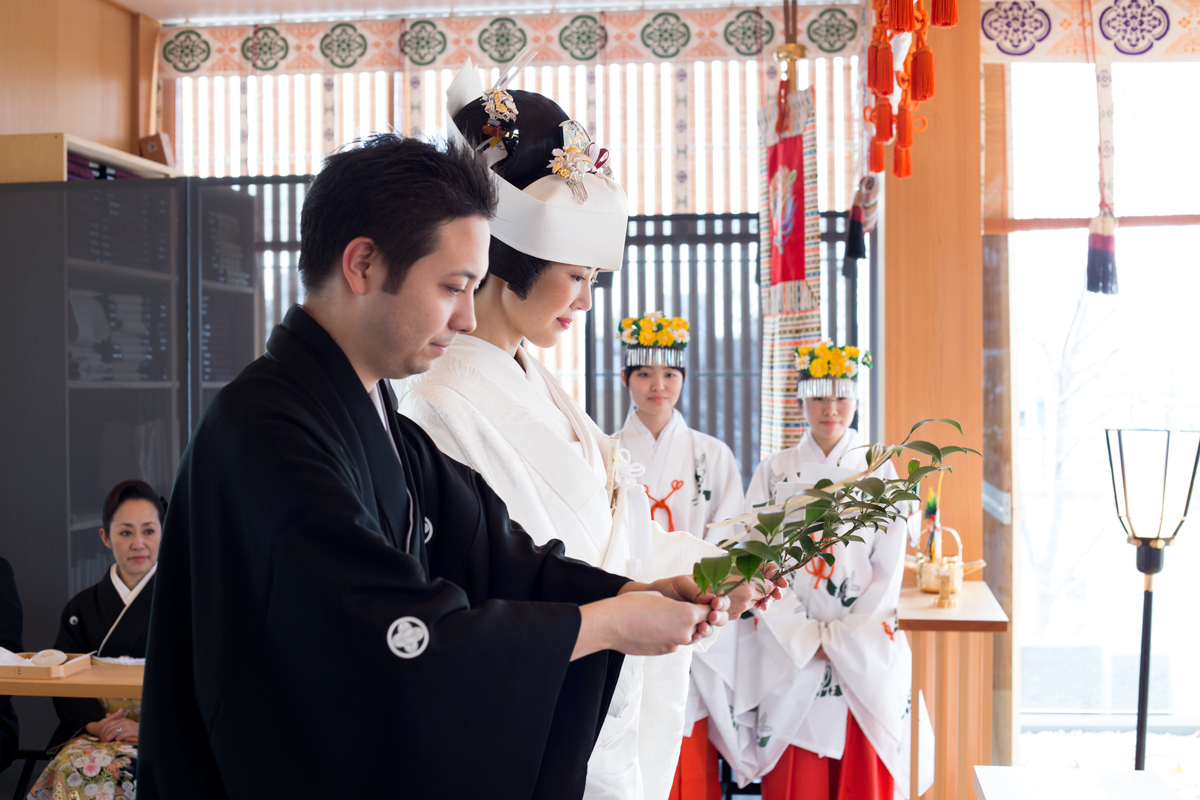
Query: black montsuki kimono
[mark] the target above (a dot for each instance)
(85, 624)
(331, 621)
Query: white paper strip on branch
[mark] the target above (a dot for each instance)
(1054, 30)
(493, 41)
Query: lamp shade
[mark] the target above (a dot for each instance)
(1153, 474)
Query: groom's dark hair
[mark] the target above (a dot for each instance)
(396, 191)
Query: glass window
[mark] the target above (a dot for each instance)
(1084, 362)
(1156, 126)
(1054, 139)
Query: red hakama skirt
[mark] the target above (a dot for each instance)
(697, 777)
(803, 775)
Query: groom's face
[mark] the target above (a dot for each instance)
(436, 300)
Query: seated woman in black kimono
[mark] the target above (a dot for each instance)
(99, 737)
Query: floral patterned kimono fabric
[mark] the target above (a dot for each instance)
(88, 769)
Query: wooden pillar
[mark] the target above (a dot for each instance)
(999, 411)
(933, 332)
(144, 75)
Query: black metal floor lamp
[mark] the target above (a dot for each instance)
(1153, 474)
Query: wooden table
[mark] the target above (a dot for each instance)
(1040, 783)
(952, 668)
(102, 680)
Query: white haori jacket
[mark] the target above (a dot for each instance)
(711, 491)
(511, 421)
(784, 694)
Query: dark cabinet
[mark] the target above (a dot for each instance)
(125, 306)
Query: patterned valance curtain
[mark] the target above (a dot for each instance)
(1063, 30)
(493, 41)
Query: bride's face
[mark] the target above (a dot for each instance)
(561, 293)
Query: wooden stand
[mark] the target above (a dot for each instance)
(952, 667)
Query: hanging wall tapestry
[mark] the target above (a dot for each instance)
(790, 261)
(494, 41)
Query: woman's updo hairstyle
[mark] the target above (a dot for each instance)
(539, 121)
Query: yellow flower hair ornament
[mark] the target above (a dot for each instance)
(654, 339)
(829, 371)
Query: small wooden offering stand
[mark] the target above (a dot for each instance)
(952, 667)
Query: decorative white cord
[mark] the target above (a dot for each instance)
(627, 471)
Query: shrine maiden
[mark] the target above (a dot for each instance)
(691, 479)
(832, 673)
(488, 404)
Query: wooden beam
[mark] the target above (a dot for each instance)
(1000, 419)
(1000, 226)
(144, 76)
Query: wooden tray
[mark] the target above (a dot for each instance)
(76, 663)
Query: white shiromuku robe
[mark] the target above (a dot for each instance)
(711, 492)
(784, 695)
(511, 421)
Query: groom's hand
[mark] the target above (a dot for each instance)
(637, 622)
(684, 589)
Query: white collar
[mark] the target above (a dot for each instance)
(129, 595)
(634, 423)
(848, 440)
(492, 353)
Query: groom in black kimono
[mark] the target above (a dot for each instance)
(340, 610)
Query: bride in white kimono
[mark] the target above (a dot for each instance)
(489, 405)
(823, 682)
(692, 479)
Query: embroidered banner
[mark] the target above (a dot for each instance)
(493, 41)
(791, 288)
(1056, 30)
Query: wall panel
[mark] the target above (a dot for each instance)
(68, 66)
(933, 340)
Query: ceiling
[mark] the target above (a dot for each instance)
(200, 12)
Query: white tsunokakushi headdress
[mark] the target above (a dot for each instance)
(578, 215)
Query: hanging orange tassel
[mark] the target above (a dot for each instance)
(921, 82)
(885, 76)
(900, 16)
(945, 14)
(904, 126)
(876, 162)
(873, 65)
(902, 162)
(883, 119)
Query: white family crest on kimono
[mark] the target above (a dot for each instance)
(777, 690)
(510, 420)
